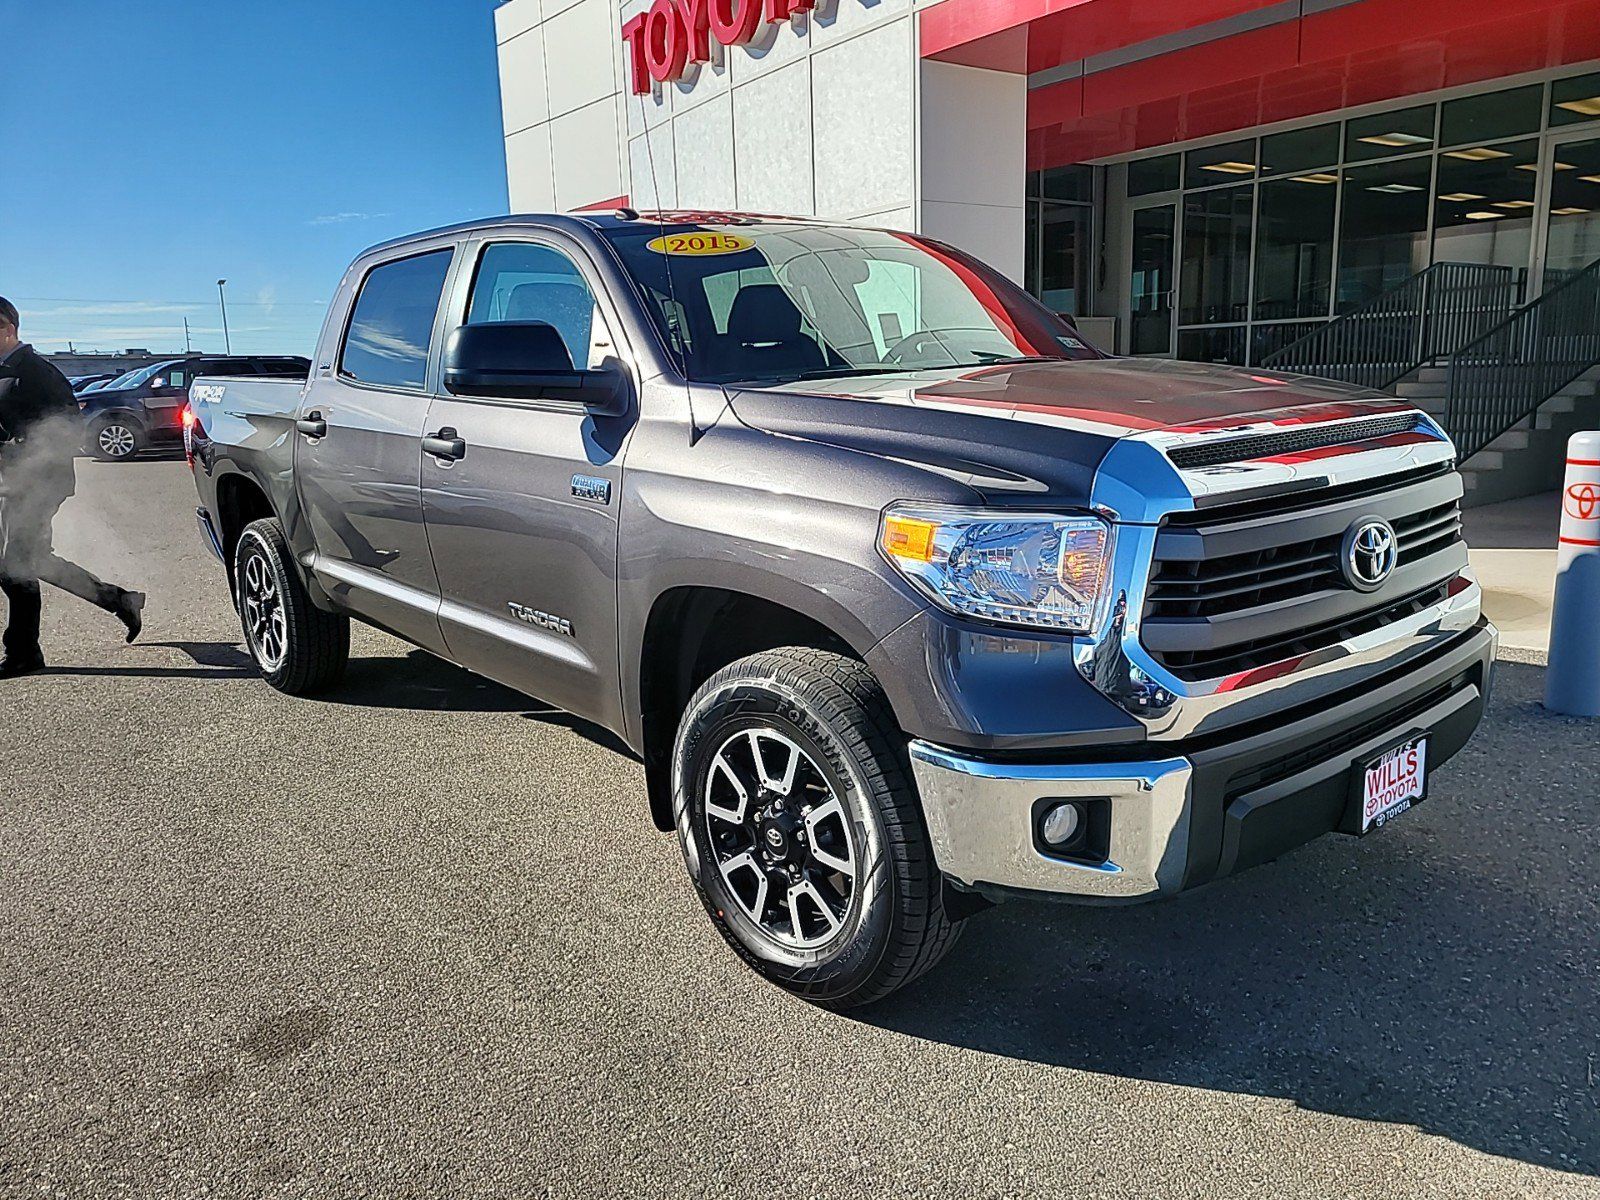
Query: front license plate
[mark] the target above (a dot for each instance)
(1393, 783)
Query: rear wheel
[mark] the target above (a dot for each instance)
(115, 439)
(802, 830)
(299, 648)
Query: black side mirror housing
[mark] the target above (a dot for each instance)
(526, 360)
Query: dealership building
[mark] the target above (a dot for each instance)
(1402, 193)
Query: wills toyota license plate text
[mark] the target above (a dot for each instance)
(1394, 783)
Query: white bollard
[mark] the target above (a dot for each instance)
(1572, 682)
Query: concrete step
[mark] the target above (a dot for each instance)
(1411, 388)
(1430, 374)
(1484, 460)
(1512, 439)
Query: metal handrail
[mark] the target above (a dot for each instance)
(1424, 317)
(1502, 377)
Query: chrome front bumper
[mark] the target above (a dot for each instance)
(980, 817)
(1198, 810)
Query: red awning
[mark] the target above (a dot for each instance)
(1112, 76)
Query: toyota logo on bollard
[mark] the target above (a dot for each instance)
(1370, 553)
(1583, 500)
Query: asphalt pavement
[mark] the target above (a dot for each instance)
(419, 939)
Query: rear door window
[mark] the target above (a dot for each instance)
(391, 326)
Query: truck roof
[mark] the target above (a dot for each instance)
(609, 218)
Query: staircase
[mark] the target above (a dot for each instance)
(1416, 321)
(1510, 381)
(1525, 459)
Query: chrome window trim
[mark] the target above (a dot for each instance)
(1138, 487)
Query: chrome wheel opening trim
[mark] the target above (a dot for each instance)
(798, 893)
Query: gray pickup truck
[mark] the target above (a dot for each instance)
(906, 598)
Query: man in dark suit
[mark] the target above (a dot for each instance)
(39, 434)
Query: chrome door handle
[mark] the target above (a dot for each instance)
(312, 425)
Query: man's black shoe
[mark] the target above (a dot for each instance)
(129, 610)
(11, 667)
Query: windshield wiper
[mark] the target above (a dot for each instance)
(830, 373)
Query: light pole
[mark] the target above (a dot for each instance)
(222, 299)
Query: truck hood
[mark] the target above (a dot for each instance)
(1037, 428)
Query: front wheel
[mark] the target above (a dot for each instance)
(298, 648)
(802, 830)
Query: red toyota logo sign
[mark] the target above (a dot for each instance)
(1583, 501)
(663, 41)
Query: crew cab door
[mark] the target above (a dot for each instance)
(358, 453)
(523, 523)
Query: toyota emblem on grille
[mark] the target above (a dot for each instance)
(1369, 554)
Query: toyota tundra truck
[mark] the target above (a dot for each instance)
(907, 599)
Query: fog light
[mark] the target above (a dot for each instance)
(1061, 825)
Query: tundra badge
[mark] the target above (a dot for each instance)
(592, 487)
(543, 620)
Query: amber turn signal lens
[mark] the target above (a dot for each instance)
(907, 537)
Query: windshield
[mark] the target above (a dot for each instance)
(134, 378)
(773, 301)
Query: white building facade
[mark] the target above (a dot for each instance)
(826, 111)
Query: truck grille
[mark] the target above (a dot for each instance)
(1244, 588)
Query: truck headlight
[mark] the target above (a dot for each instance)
(1045, 570)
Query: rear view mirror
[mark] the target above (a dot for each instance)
(525, 360)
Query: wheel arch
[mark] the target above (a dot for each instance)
(121, 412)
(240, 500)
(694, 630)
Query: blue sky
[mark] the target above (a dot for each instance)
(151, 147)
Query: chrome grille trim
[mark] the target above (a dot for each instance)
(1140, 487)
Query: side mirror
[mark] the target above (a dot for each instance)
(526, 360)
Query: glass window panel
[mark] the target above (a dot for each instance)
(1064, 257)
(1388, 134)
(1146, 175)
(1294, 246)
(1495, 115)
(1574, 238)
(1300, 149)
(1483, 209)
(1150, 283)
(1215, 281)
(1574, 100)
(1030, 263)
(1220, 164)
(1382, 228)
(392, 325)
(1068, 183)
(1213, 345)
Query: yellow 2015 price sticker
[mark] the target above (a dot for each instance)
(699, 243)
